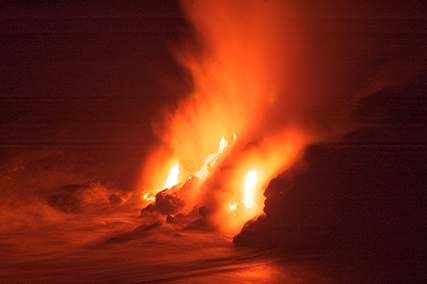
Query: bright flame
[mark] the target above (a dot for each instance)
(250, 187)
(171, 181)
(210, 160)
(249, 73)
(202, 174)
(172, 177)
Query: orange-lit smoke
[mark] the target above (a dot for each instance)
(249, 78)
(238, 75)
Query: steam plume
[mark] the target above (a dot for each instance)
(279, 74)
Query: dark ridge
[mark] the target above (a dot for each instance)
(366, 194)
(402, 105)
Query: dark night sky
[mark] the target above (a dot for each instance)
(71, 70)
(96, 74)
(84, 72)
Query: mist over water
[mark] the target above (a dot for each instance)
(62, 224)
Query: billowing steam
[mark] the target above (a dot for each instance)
(276, 74)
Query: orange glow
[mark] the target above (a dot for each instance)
(250, 187)
(171, 181)
(172, 177)
(210, 160)
(244, 81)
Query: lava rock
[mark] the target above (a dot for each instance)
(279, 184)
(151, 208)
(367, 190)
(178, 219)
(201, 224)
(205, 211)
(349, 196)
(67, 197)
(168, 203)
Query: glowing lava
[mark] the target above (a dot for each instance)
(250, 187)
(172, 177)
(232, 206)
(243, 68)
(171, 181)
(202, 174)
(210, 160)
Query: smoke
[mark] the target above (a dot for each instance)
(238, 75)
(280, 75)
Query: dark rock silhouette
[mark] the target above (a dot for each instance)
(369, 191)
(167, 202)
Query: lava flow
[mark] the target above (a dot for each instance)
(246, 69)
(250, 188)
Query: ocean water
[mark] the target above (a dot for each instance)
(71, 215)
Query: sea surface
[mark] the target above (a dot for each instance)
(71, 214)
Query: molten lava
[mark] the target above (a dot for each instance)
(243, 71)
(210, 160)
(250, 187)
(171, 181)
(172, 177)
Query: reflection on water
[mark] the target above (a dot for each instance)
(67, 217)
(63, 220)
(89, 249)
(55, 255)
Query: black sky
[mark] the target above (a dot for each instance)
(104, 63)
(88, 68)
(97, 73)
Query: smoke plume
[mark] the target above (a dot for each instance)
(279, 75)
